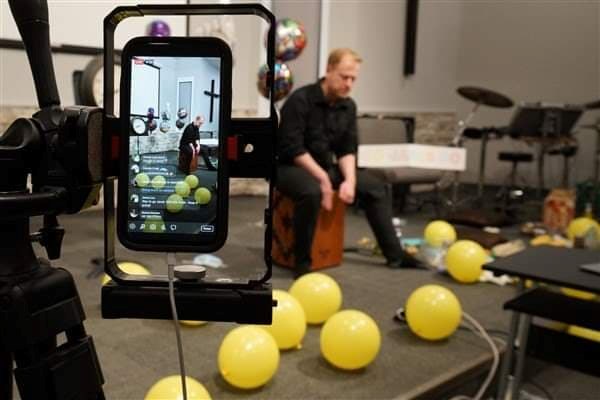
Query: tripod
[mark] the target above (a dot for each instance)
(39, 302)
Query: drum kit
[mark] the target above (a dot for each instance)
(480, 97)
(540, 122)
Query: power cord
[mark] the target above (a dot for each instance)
(479, 330)
(171, 261)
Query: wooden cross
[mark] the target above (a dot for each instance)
(213, 96)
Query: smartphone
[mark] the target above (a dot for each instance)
(175, 115)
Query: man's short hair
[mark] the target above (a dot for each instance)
(336, 55)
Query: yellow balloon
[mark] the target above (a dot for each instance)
(464, 260)
(580, 226)
(248, 357)
(192, 323)
(129, 267)
(192, 181)
(159, 182)
(182, 188)
(438, 233)
(350, 339)
(141, 180)
(289, 321)
(202, 196)
(170, 388)
(175, 203)
(584, 332)
(580, 294)
(433, 312)
(319, 295)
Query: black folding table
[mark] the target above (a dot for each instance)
(553, 265)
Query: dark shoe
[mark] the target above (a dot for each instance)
(407, 261)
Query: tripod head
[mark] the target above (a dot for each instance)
(60, 148)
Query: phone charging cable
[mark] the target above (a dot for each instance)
(171, 261)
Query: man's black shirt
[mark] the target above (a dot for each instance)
(191, 133)
(310, 124)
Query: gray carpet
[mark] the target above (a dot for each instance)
(136, 353)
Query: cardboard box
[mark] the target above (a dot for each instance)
(559, 209)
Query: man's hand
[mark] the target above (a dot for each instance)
(347, 191)
(326, 193)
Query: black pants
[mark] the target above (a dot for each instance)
(372, 194)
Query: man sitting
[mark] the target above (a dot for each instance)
(318, 128)
(189, 145)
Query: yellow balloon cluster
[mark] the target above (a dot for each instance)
(439, 233)
(433, 312)
(248, 357)
(464, 260)
(350, 340)
(289, 321)
(130, 268)
(319, 295)
(170, 388)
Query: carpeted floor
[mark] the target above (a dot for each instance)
(136, 353)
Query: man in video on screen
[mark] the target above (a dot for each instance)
(189, 145)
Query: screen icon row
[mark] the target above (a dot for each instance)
(152, 227)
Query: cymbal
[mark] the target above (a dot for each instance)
(485, 96)
(593, 105)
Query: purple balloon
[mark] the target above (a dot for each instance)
(159, 28)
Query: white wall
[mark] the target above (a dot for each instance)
(376, 31)
(305, 67)
(72, 23)
(528, 50)
(85, 28)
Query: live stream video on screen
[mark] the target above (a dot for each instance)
(173, 145)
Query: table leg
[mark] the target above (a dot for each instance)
(506, 367)
(521, 353)
(505, 370)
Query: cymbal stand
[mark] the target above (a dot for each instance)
(457, 141)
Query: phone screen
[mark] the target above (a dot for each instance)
(174, 163)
